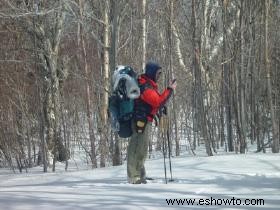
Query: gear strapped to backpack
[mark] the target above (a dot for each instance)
(121, 102)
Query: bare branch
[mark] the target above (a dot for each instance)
(97, 39)
(26, 14)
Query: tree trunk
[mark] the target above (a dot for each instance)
(221, 109)
(144, 33)
(242, 82)
(275, 132)
(203, 51)
(51, 105)
(194, 84)
(227, 83)
(49, 46)
(106, 67)
(198, 82)
(172, 75)
(115, 142)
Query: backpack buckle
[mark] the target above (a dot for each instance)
(140, 126)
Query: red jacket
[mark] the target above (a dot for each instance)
(151, 95)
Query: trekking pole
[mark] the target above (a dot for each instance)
(161, 127)
(164, 161)
(169, 153)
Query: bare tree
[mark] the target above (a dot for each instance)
(275, 132)
(83, 57)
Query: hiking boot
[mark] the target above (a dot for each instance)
(143, 181)
(138, 181)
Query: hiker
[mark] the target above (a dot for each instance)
(145, 109)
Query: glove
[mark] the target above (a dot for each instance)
(173, 84)
(164, 110)
(156, 119)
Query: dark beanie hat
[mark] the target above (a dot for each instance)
(151, 69)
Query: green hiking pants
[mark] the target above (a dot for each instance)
(137, 153)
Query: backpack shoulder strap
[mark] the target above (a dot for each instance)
(144, 86)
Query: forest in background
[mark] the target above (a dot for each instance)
(57, 58)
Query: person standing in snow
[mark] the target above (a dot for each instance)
(146, 107)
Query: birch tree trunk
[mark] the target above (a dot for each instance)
(48, 44)
(144, 34)
(115, 142)
(106, 67)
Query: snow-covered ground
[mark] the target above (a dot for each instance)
(219, 182)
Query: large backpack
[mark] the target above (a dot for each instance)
(121, 102)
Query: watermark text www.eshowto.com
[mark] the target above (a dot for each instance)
(215, 202)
